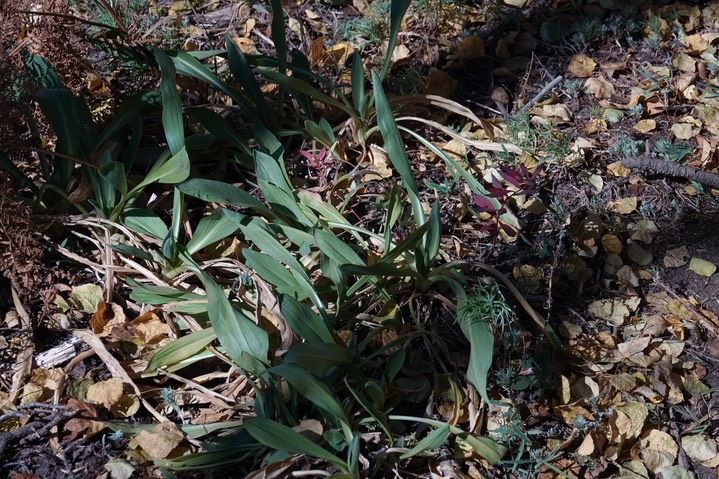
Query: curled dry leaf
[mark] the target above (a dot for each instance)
(645, 126)
(581, 66)
(86, 297)
(107, 393)
(600, 87)
(623, 206)
(702, 267)
(657, 449)
(470, 48)
(160, 441)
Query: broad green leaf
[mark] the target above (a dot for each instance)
(318, 357)
(358, 90)
(256, 231)
(380, 270)
(395, 147)
(305, 322)
(394, 365)
(144, 222)
(221, 192)
(170, 245)
(376, 414)
(433, 440)
(114, 173)
(154, 294)
(297, 236)
(181, 349)
(102, 179)
(408, 244)
(434, 235)
(132, 251)
(315, 391)
(397, 10)
(335, 248)
(186, 64)
(244, 76)
(454, 167)
(328, 212)
(394, 212)
(268, 143)
(174, 170)
(194, 431)
(110, 181)
(237, 333)
(278, 33)
(40, 70)
(272, 170)
(321, 132)
(58, 106)
(428, 253)
(307, 89)
(282, 438)
(219, 225)
(283, 202)
(481, 340)
(485, 447)
(172, 120)
(273, 272)
(128, 112)
(221, 128)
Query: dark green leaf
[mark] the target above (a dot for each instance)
(219, 225)
(172, 120)
(237, 333)
(433, 440)
(314, 390)
(305, 322)
(279, 437)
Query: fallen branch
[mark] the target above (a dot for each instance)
(36, 429)
(541, 94)
(661, 167)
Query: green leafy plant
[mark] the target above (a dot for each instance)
(302, 261)
(101, 159)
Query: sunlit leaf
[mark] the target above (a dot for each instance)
(433, 440)
(181, 348)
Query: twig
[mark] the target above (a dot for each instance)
(67, 16)
(661, 167)
(115, 368)
(539, 95)
(36, 429)
(111, 11)
(216, 398)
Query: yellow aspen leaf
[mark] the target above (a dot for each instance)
(581, 66)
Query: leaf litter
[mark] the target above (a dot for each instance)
(641, 344)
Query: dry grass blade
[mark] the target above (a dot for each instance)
(480, 145)
(213, 397)
(441, 102)
(23, 362)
